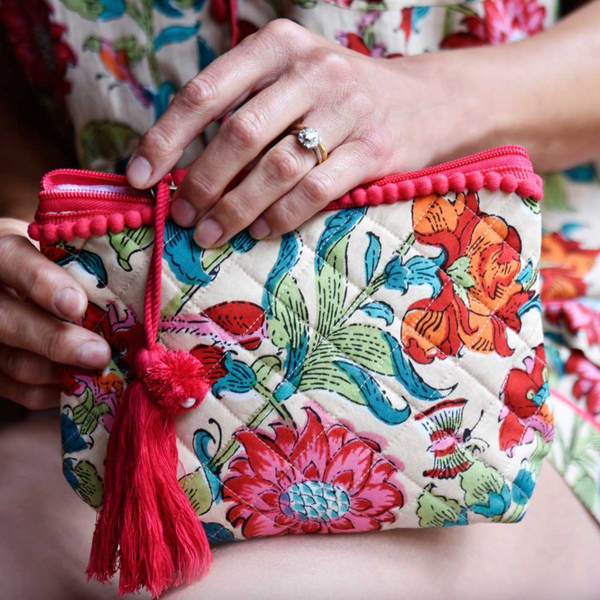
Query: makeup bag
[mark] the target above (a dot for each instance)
(380, 367)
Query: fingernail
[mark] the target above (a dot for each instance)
(138, 171)
(93, 354)
(208, 233)
(70, 302)
(260, 229)
(183, 213)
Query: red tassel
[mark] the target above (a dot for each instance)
(147, 527)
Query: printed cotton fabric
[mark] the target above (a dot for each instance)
(363, 376)
(107, 70)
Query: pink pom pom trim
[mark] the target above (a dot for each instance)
(66, 215)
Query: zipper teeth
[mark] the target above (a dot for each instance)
(454, 164)
(97, 176)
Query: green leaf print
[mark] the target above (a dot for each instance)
(197, 489)
(555, 193)
(265, 366)
(89, 483)
(323, 377)
(486, 492)
(87, 414)
(128, 242)
(89, 9)
(438, 511)
(459, 272)
(129, 43)
(331, 267)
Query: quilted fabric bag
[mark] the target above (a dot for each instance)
(380, 367)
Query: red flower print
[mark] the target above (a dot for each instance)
(587, 384)
(321, 480)
(212, 359)
(564, 265)
(476, 309)
(244, 321)
(503, 21)
(525, 410)
(39, 46)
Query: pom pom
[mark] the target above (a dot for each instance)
(172, 378)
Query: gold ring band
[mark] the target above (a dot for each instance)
(310, 139)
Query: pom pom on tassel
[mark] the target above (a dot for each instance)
(147, 527)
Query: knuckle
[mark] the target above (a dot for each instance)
(202, 189)
(38, 281)
(282, 30)
(245, 128)
(233, 213)
(281, 219)
(30, 397)
(198, 92)
(330, 61)
(16, 367)
(317, 186)
(284, 164)
(56, 343)
(375, 143)
(158, 140)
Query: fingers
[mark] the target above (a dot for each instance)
(253, 64)
(24, 326)
(276, 174)
(347, 167)
(26, 367)
(33, 397)
(33, 276)
(240, 139)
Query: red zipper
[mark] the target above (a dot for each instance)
(85, 210)
(503, 159)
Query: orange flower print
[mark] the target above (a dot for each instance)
(564, 265)
(481, 295)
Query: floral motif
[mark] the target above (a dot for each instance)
(503, 21)
(525, 410)
(587, 383)
(322, 479)
(577, 316)
(481, 295)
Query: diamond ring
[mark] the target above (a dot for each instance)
(310, 139)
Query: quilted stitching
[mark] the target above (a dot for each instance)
(459, 364)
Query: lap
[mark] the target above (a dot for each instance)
(46, 536)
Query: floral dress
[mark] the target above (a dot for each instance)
(107, 69)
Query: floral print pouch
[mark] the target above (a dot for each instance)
(380, 367)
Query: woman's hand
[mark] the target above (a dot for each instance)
(366, 110)
(34, 295)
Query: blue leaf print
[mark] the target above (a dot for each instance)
(525, 274)
(408, 377)
(69, 473)
(418, 13)
(421, 271)
(183, 255)
(379, 310)
(174, 35)
(336, 227)
(496, 505)
(242, 242)
(111, 9)
(533, 303)
(374, 397)
(523, 486)
(167, 9)
(286, 259)
(201, 440)
(72, 440)
(90, 262)
(205, 54)
(372, 256)
(396, 275)
(217, 533)
(162, 98)
(240, 378)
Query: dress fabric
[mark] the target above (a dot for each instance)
(107, 69)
